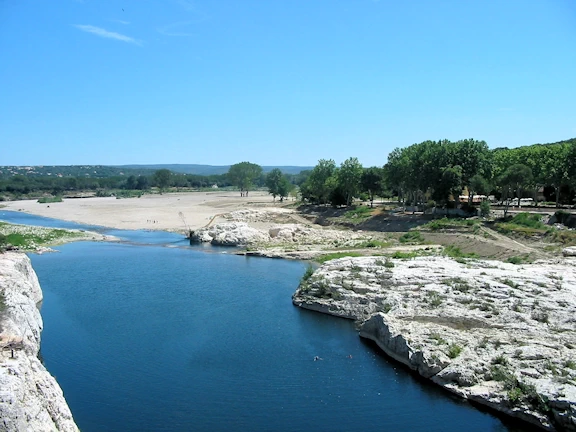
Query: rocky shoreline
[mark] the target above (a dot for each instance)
(499, 334)
(30, 398)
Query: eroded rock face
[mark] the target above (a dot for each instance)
(30, 398)
(229, 234)
(501, 334)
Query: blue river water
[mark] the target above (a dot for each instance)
(150, 334)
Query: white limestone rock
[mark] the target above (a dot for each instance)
(229, 234)
(501, 334)
(30, 398)
(569, 251)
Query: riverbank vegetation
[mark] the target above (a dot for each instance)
(30, 238)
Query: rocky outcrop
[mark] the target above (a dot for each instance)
(289, 234)
(569, 251)
(30, 398)
(500, 334)
(229, 234)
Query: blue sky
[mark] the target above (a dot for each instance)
(278, 82)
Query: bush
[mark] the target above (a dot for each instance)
(359, 213)
(455, 252)
(454, 350)
(528, 220)
(308, 273)
(485, 208)
(412, 237)
(404, 255)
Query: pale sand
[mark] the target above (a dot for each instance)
(155, 212)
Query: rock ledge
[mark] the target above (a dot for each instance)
(500, 334)
(30, 398)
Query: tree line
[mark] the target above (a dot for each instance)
(428, 172)
(441, 169)
(436, 172)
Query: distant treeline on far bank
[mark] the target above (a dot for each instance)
(428, 172)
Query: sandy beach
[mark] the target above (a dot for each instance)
(155, 212)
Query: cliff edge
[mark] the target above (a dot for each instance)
(30, 398)
(499, 334)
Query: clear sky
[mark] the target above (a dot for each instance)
(278, 82)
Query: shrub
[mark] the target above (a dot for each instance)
(412, 237)
(454, 350)
(528, 220)
(434, 298)
(500, 360)
(404, 255)
(359, 213)
(307, 274)
(455, 252)
(519, 259)
(485, 208)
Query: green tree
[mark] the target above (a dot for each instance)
(478, 185)
(317, 187)
(162, 178)
(372, 182)
(243, 175)
(142, 183)
(278, 184)
(513, 181)
(131, 182)
(450, 184)
(349, 176)
(555, 166)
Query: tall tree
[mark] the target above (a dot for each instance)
(316, 188)
(243, 175)
(162, 178)
(372, 182)
(513, 181)
(450, 184)
(478, 185)
(349, 176)
(278, 184)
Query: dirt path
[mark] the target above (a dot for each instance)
(512, 244)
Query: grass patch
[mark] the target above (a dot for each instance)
(526, 224)
(455, 252)
(45, 200)
(446, 223)
(435, 299)
(28, 238)
(566, 237)
(359, 213)
(404, 255)
(500, 360)
(520, 259)
(454, 350)
(335, 255)
(412, 237)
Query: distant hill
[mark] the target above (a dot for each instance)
(208, 169)
(89, 171)
(103, 171)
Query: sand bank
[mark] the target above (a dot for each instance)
(157, 212)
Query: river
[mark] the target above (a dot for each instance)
(151, 334)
